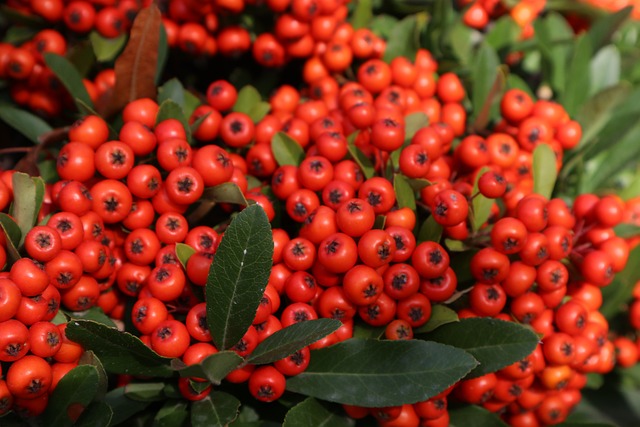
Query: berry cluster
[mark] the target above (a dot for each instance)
(478, 13)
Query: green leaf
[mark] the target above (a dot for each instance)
(405, 196)
(461, 40)
(480, 205)
(516, 82)
(248, 96)
(69, 77)
(604, 69)
(362, 372)
(228, 192)
(413, 123)
(361, 159)
(89, 358)
(13, 233)
(383, 24)
(598, 110)
(238, 276)
(217, 409)
(73, 393)
(574, 94)
(106, 49)
(94, 313)
(627, 230)
(602, 30)
(365, 330)
(620, 153)
(544, 170)
(173, 413)
(97, 414)
(163, 54)
(214, 367)
(286, 150)
(430, 231)
(28, 196)
(474, 416)
(28, 124)
(619, 292)
(288, 340)
(169, 109)
(184, 252)
(494, 343)
(174, 91)
(484, 93)
(440, 315)
(312, 413)
(119, 352)
(362, 14)
(418, 183)
(403, 40)
(145, 392)
(504, 33)
(123, 407)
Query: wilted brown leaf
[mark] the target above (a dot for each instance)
(135, 68)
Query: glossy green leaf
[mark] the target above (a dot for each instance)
(214, 367)
(382, 25)
(493, 343)
(430, 231)
(461, 40)
(228, 192)
(184, 252)
(361, 159)
(405, 197)
(504, 33)
(413, 123)
(313, 413)
(238, 276)
(218, 365)
(94, 313)
(599, 109)
(620, 153)
(170, 109)
(97, 414)
(627, 230)
(544, 170)
(247, 98)
(172, 90)
(106, 49)
(604, 69)
(173, 413)
(474, 416)
(485, 72)
(603, 29)
(362, 14)
(418, 183)
(89, 358)
(361, 372)
(123, 407)
(365, 330)
(574, 94)
(516, 82)
(13, 233)
(480, 209)
(217, 409)
(73, 393)
(28, 124)
(619, 292)
(163, 54)
(403, 39)
(145, 392)
(69, 77)
(288, 340)
(286, 150)
(29, 193)
(440, 315)
(119, 352)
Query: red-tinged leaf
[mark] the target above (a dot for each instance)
(136, 67)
